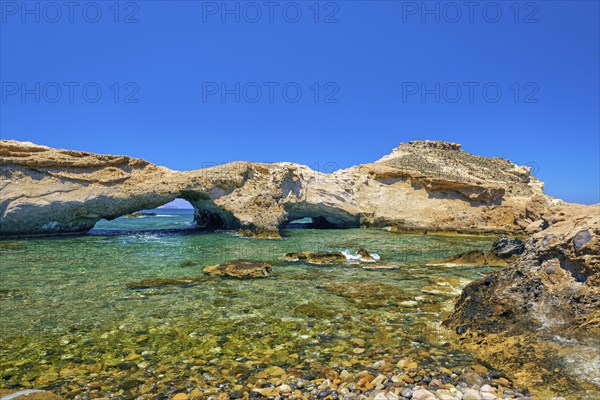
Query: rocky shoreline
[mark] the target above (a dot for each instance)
(538, 318)
(404, 380)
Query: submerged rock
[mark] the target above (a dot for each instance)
(471, 258)
(369, 294)
(37, 395)
(319, 257)
(314, 310)
(542, 312)
(503, 250)
(332, 257)
(241, 269)
(164, 282)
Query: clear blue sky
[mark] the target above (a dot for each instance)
(387, 72)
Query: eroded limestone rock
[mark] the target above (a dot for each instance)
(421, 186)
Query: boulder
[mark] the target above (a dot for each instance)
(506, 247)
(543, 310)
(241, 269)
(472, 258)
(318, 258)
(365, 256)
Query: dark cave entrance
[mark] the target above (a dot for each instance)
(310, 223)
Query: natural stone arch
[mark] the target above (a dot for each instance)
(322, 215)
(207, 214)
(45, 191)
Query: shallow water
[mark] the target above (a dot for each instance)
(69, 320)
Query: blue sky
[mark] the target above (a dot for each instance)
(188, 84)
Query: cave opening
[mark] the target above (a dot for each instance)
(310, 223)
(176, 215)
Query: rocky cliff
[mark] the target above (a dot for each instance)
(540, 316)
(420, 186)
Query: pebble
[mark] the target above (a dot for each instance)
(487, 388)
(285, 389)
(380, 379)
(380, 396)
(422, 394)
(471, 394)
(345, 376)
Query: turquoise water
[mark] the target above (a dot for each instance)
(70, 323)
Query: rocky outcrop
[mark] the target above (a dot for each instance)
(507, 248)
(504, 250)
(318, 258)
(540, 316)
(420, 186)
(362, 255)
(470, 258)
(241, 269)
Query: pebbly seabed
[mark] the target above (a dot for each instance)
(74, 322)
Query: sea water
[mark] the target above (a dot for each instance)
(73, 319)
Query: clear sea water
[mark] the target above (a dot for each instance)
(70, 323)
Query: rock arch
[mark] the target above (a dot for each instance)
(46, 191)
(323, 216)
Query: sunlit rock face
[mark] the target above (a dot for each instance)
(542, 312)
(420, 186)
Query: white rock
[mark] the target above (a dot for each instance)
(471, 394)
(422, 394)
(379, 379)
(391, 396)
(446, 397)
(285, 388)
(487, 388)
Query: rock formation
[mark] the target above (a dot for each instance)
(318, 258)
(540, 316)
(420, 186)
(503, 250)
(241, 269)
